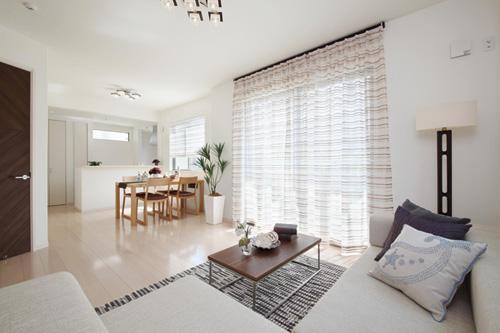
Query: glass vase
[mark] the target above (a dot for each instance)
(246, 249)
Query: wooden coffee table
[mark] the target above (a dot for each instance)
(263, 262)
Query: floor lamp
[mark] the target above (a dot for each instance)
(443, 118)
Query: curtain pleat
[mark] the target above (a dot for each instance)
(311, 142)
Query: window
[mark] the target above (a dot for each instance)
(110, 135)
(186, 139)
(311, 143)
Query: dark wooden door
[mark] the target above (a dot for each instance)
(15, 100)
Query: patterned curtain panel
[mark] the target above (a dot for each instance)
(311, 142)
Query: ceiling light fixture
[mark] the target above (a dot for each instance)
(194, 9)
(130, 93)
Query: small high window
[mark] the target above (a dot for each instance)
(110, 135)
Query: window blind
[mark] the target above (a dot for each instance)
(187, 138)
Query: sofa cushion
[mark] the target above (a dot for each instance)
(485, 281)
(404, 217)
(427, 268)
(52, 303)
(187, 305)
(359, 303)
(420, 211)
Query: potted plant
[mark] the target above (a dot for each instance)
(244, 229)
(213, 165)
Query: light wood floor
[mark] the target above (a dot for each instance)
(110, 259)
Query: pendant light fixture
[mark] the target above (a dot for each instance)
(196, 8)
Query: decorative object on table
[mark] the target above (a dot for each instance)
(404, 217)
(427, 268)
(213, 165)
(443, 117)
(285, 231)
(155, 171)
(244, 229)
(266, 241)
(145, 175)
(94, 163)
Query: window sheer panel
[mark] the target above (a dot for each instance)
(311, 145)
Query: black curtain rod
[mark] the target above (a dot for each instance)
(313, 49)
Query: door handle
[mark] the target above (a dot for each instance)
(23, 177)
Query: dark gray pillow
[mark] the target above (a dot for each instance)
(444, 229)
(420, 211)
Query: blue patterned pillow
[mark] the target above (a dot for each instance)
(427, 268)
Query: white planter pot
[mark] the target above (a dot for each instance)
(214, 209)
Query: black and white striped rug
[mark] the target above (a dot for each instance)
(271, 291)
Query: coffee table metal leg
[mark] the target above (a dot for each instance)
(319, 258)
(210, 272)
(253, 296)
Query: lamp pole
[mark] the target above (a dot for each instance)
(444, 153)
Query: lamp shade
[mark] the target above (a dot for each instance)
(449, 115)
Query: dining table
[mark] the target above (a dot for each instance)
(134, 185)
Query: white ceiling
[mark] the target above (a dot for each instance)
(95, 45)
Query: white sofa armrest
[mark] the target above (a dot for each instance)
(51, 303)
(380, 225)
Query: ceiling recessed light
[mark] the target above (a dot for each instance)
(29, 6)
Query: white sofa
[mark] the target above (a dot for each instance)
(360, 303)
(356, 303)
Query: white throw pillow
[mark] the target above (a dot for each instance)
(427, 268)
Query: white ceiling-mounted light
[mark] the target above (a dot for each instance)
(169, 4)
(195, 9)
(195, 16)
(130, 93)
(214, 5)
(192, 5)
(215, 18)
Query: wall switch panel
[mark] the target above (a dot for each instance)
(460, 48)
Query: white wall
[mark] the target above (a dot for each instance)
(420, 72)
(217, 110)
(19, 51)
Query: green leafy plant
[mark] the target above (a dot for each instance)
(244, 229)
(213, 165)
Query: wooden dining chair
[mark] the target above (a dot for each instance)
(126, 194)
(151, 195)
(181, 195)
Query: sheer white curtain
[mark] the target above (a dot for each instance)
(310, 142)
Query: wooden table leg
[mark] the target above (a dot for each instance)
(202, 198)
(117, 201)
(133, 204)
